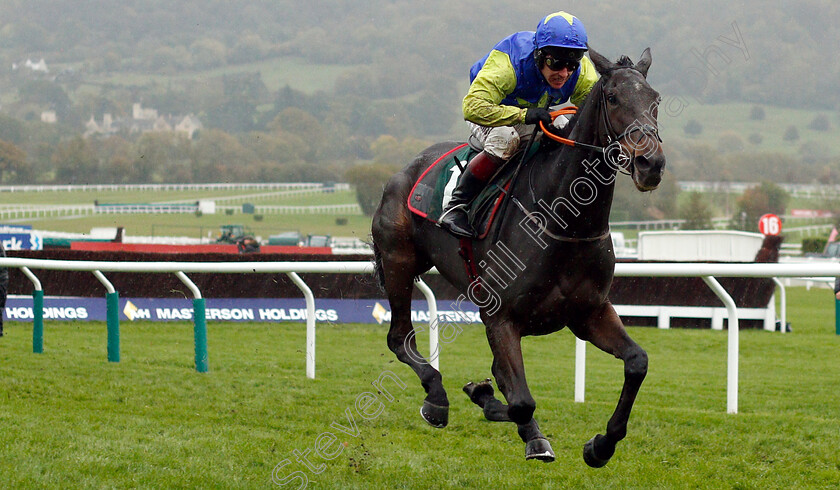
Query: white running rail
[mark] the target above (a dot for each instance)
(674, 269)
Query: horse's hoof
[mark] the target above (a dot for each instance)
(478, 391)
(435, 415)
(539, 449)
(589, 452)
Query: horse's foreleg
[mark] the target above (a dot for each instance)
(509, 371)
(605, 331)
(399, 283)
(483, 395)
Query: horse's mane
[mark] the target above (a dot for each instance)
(574, 119)
(624, 61)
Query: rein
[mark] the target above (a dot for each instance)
(645, 129)
(566, 141)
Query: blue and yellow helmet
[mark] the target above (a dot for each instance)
(562, 30)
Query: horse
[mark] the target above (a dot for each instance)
(560, 259)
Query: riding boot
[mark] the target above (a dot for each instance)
(454, 218)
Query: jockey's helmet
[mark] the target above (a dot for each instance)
(560, 29)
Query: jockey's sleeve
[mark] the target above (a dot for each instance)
(495, 81)
(586, 80)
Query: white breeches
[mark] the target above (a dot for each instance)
(501, 141)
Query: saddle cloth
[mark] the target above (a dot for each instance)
(433, 189)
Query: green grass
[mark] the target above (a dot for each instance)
(87, 197)
(320, 199)
(208, 225)
(718, 119)
(140, 196)
(299, 74)
(71, 419)
(189, 224)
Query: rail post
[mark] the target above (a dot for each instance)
(580, 370)
(112, 301)
(310, 322)
(38, 321)
(112, 316)
(782, 305)
(837, 316)
(733, 330)
(37, 312)
(434, 352)
(202, 363)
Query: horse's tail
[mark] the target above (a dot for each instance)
(378, 271)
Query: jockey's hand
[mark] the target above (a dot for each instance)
(536, 114)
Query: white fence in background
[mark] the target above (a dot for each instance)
(24, 211)
(272, 195)
(172, 187)
(8, 212)
(350, 209)
(706, 271)
(811, 230)
(795, 190)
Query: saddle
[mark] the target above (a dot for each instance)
(433, 189)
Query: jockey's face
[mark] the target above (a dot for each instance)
(556, 79)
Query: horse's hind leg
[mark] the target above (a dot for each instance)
(536, 445)
(605, 331)
(398, 264)
(401, 340)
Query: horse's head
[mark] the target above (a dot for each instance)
(630, 107)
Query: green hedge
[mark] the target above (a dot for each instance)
(813, 245)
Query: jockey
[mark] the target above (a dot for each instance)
(510, 90)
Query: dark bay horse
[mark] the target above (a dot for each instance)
(555, 241)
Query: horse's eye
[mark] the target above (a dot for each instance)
(611, 99)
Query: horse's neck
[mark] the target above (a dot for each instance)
(575, 193)
(589, 126)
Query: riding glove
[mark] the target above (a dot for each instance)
(534, 115)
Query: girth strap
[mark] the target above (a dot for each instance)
(466, 252)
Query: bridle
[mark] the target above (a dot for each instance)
(612, 138)
(611, 135)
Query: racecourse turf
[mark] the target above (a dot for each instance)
(70, 419)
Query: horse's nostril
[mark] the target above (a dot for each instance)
(655, 165)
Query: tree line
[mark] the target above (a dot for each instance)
(753, 53)
(404, 68)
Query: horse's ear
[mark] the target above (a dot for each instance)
(602, 64)
(644, 62)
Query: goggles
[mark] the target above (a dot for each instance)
(557, 65)
(557, 58)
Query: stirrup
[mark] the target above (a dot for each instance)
(449, 210)
(454, 228)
